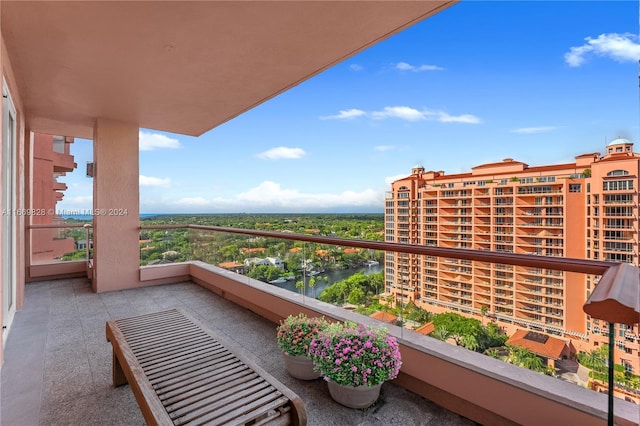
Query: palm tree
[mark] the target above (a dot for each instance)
(525, 358)
(468, 341)
(533, 362)
(493, 353)
(441, 333)
(595, 359)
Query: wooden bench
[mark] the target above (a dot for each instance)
(181, 374)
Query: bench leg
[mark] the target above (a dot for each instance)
(119, 378)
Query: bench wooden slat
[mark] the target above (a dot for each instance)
(184, 387)
(261, 404)
(203, 389)
(171, 366)
(204, 368)
(177, 343)
(152, 409)
(223, 401)
(246, 413)
(181, 373)
(164, 357)
(138, 344)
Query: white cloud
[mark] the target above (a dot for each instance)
(532, 130)
(282, 152)
(390, 179)
(406, 113)
(383, 148)
(154, 181)
(412, 114)
(270, 196)
(443, 117)
(345, 115)
(403, 66)
(152, 141)
(356, 67)
(619, 47)
(401, 112)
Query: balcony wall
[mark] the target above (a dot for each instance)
(481, 388)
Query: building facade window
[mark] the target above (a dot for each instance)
(618, 185)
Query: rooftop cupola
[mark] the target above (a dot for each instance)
(620, 145)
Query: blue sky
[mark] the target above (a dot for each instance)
(540, 82)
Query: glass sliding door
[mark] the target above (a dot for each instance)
(8, 209)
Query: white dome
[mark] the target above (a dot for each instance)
(619, 141)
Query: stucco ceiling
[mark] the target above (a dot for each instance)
(183, 67)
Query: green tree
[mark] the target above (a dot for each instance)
(493, 353)
(525, 358)
(356, 296)
(441, 333)
(595, 359)
(483, 310)
(312, 284)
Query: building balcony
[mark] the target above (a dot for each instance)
(63, 163)
(58, 362)
(213, 293)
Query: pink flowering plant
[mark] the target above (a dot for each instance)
(355, 355)
(295, 333)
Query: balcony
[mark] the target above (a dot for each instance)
(211, 291)
(58, 363)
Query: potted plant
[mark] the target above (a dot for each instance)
(355, 361)
(295, 334)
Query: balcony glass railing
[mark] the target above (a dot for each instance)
(60, 242)
(353, 274)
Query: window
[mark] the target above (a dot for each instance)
(575, 187)
(618, 173)
(618, 185)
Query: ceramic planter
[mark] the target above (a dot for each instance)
(354, 396)
(300, 367)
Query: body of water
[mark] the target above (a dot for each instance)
(333, 276)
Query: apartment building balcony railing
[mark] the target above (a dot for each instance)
(534, 290)
(243, 290)
(59, 249)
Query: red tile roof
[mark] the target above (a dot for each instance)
(228, 265)
(538, 343)
(426, 329)
(253, 250)
(384, 316)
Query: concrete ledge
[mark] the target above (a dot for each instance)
(478, 387)
(164, 274)
(56, 270)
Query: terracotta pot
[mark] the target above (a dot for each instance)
(300, 367)
(354, 396)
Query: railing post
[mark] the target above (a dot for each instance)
(86, 227)
(612, 341)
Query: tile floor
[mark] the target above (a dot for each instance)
(57, 368)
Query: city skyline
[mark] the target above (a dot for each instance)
(476, 83)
